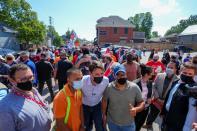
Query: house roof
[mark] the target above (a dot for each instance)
(171, 35)
(7, 29)
(190, 30)
(113, 21)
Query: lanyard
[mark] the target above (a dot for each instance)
(40, 103)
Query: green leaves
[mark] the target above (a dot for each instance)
(155, 34)
(143, 22)
(57, 40)
(183, 24)
(18, 15)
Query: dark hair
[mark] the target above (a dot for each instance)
(43, 55)
(39, 50)
(177, 66)
(15, 68)
(94, 65)
(108, 58)
(145, 69)
(72, 70)
(194, 59)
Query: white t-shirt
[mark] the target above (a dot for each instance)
(92, 94)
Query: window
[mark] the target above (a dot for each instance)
(115, 30)
(102, 32)
(192, 38)
(126, 30)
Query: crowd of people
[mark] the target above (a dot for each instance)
(111, 90)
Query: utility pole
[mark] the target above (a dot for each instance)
(51, 23)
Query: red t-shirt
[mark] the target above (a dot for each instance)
(156, 65)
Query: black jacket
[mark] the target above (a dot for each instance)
(149, 86)
(175, 117)
(62, 67)
(44, 70)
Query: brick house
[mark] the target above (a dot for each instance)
(114, 29)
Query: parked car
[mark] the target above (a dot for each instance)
(182, 48)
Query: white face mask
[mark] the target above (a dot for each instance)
(77, 84)
(195, 78)
(169, 71)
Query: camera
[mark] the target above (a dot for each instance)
(191, 91)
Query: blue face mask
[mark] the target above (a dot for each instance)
(77, 84)
(169, 71)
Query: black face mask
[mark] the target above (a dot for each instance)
(122, 81)
(26, 86)
(187, 79)
(98, 80)
(85, 51)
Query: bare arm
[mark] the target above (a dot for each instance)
(135, 110)
(138, 72)
(82, 119)
(104, 106)
(85, 59)
(140, 107)
(104, 112)
(61, 126)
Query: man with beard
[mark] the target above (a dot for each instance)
(132, 67)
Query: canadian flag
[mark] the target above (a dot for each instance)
(108, 70)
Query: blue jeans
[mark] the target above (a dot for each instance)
(114, 127)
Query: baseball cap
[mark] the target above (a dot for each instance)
(119, 68)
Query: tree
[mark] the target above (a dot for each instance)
(143, 22)
(183, 24)
(56, 39)
(18, 15)
(68, 34)
(155, 34)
